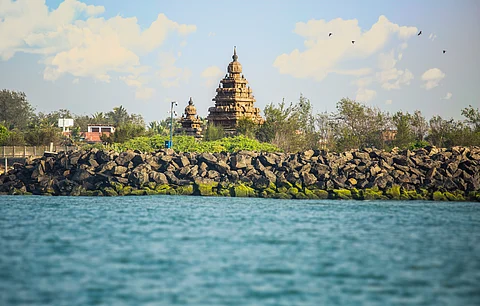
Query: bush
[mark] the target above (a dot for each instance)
(3, 134)
(190, 144)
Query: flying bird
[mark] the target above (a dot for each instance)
(419, 33)
(353, 42)
(329, 34)
(444, 51)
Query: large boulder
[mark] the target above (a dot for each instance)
(124, 158)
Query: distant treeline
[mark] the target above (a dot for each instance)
(290, 127)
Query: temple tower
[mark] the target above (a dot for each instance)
(191, 124)
(234, 99)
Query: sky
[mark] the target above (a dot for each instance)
(91, 56)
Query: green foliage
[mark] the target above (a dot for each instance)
(42, 135)
(190, 144)
(418, 145)
(15, 138)
(403, 124)
(125, 132)
(473, 118)
(357, 125)
(292, 128)
(247, 127)
(214, 132)
(3, 135)
(15, 110)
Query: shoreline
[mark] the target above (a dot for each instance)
(369, 174)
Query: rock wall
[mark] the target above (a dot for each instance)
(430, 173)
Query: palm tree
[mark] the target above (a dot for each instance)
(118, 116)
(99, 118)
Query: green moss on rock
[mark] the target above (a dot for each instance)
(455, 196)
(138, 192)
(282, 189)
(343, 194)
(356, 194)
(206, 187)
(110, 192)
(185, 190)
(293, 191)
(393, 192)
(373, 194)
(301, 195)
(242, 190)
(413, 195)
(281, 195)
(125, 190)
(310, 194)
(321, 194)
(438, 196)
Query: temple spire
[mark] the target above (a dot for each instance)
(235, 57)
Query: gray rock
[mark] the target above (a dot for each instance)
(124, 158)
(238, 161)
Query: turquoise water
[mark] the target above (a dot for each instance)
(234, 251)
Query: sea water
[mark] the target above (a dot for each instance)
(175, 250)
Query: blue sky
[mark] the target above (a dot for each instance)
(90, 56)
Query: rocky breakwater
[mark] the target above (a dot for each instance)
(430, 173)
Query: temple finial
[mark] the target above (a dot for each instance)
(235, 57)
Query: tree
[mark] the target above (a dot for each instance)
(3, 135)
(473, 117)
(282, 127)
(118, 116)
(358, 126)
(404, 135)
(419, 126)
(246, 127)
(98, 118)
(214, 132)
(15, 110)
(125, 132)
(439, 132)
(324, 130)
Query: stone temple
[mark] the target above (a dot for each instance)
(234, 100)
(191, 124)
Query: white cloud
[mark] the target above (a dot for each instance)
(144, 93)
(211, 34)
(387, 61)
(363, 82)
(76, 81)
(365, 95)
(388, 102)
(74, 41)
(323, 53)
(389, 76)
(353, 72)
(211, 75)
(169, 74)
(139, 83)
(394, 78)
(432, 78)
(448, 96)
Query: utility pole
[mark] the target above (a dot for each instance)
(173, 103)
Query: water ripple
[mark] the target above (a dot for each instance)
(207, 251)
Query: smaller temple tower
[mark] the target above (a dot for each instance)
(191, 124)
(234, 100)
